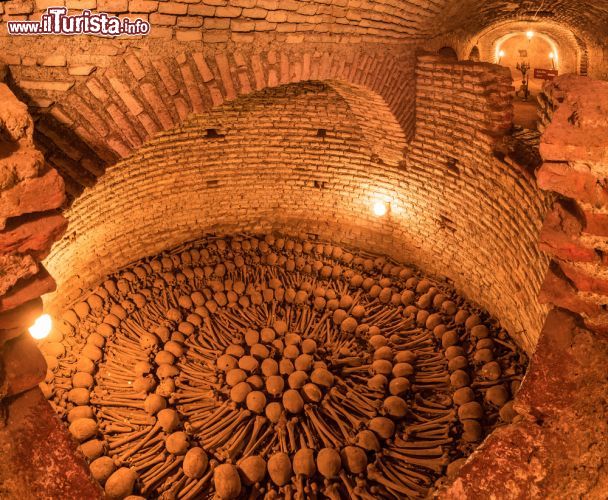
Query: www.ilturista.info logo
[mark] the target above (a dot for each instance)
(56, 22)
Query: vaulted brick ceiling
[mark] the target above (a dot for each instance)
(265, 43)
(587, 17)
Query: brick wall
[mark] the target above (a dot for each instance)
(301, 157)
(214, 21)
(479, 216)
(475, 221)
(558, 448)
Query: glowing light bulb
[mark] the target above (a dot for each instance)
(41, 327)
(379, 208)
(551, 55)
(530, 34)
(501, 53)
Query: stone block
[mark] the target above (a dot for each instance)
(596, 224)
(14, 267)
(144, 6)
(560, 234)
(113, 6)
(19, 7)
(558, 291)
(81, 70)
(228, 11)
(176, 8)
(55, 60)
(24, 365)
(586, 278)
(50, 85)
(577, 183)
(18, 163)
(578, 130)
(21, 317)
(32, 195)
(15, 121)
(27, 290)
(201, 10)
(135, 66)
(81, 4)
(162, 19)
(192, 35)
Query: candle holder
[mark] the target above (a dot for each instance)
(524, 91)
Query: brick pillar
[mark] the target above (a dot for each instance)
(574, 148)
(37, 455)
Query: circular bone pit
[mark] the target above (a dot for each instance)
(277, 367)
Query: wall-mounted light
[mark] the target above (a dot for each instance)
(530, 35)
(501, 54)
(380, 208)
(552, 57)
(41, 327)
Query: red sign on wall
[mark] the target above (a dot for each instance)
(545, 74)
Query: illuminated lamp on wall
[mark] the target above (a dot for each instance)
(41, 327)
(380, 208)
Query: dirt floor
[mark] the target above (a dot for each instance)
(525, 112)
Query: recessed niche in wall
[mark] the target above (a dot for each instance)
(212, 133)
(453, 167)
(446, 223)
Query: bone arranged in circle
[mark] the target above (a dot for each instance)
(280, 367)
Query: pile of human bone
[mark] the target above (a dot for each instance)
(272, 367)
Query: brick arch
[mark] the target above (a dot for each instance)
(109, 115)
(570, 45)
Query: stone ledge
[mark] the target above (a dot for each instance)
(33, 234)
(565, 179)
(33, 195)
(559, 291)
(561, 233)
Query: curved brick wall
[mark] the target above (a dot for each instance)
(271, 166)
(269, 169)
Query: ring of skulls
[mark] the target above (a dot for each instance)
(277, 367)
